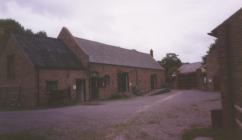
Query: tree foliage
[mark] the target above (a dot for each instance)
(41, 33)
(8, 26)
(210, 49)
(170, 63)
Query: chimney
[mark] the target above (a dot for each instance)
(151, 52)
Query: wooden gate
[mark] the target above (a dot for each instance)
(10, 96)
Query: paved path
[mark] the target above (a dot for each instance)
(158, 116)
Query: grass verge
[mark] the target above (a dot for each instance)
(21, 136)
(217, 134)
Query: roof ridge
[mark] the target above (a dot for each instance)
(111, 45)
(108, 54)
(227, 20)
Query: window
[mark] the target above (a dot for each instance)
(51, 86)
(10, 67)
(106, 80)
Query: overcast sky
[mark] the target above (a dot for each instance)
(179, 26)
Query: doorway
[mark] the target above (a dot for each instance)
(81, 90)
(94, 88)
(153, 81)
(123, 81)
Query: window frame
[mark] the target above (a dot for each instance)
(51, 86)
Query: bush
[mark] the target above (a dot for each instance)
(21, 136)
(217, 134)
(136, 91)
(117, 96)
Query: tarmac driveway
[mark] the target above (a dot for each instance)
(162, 116)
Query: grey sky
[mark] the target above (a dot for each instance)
(179, 26)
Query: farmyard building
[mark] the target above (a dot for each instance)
(42, 70)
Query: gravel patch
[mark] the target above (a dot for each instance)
(163, 116)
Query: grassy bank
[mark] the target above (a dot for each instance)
(217, 134)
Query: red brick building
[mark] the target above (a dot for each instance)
(40, 70)
(190, 76)
(229, 45)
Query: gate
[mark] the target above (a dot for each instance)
(10, 96)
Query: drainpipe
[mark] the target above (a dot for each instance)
(37, 86)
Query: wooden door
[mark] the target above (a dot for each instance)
(94, 88)
(81, 90)
(153, 81)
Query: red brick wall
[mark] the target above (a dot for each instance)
(137, 77)
(70, 42)
(24, 74)
(230, 61)
(66, 79)
(192, 80)
(235, 50)
(226, 92)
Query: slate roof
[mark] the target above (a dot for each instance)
(107, 54)
(190, 67)
(45, 52)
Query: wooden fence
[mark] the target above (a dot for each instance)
(238, 114)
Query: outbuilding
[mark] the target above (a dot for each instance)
(190, 76)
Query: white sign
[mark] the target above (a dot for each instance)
(74, 87)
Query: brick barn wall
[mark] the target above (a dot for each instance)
(226, 94)
(235, 43)
(137, 77)
(24, 74)
(71, 43)
(230, 61)
(192, 80)
(66, 79)
(231, 67)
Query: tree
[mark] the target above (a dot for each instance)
(170, 63)
(41, 33)
(210, 49)
(8, 26)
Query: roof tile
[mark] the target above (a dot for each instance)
(107, 54)
(47, 52)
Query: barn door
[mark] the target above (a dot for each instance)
(94, 88)
(123, 81)
(80, 90)
(153, 81)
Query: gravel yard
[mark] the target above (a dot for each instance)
(161, 117)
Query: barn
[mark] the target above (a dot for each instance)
(229, 47)
(190, 76)
(42, 70)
